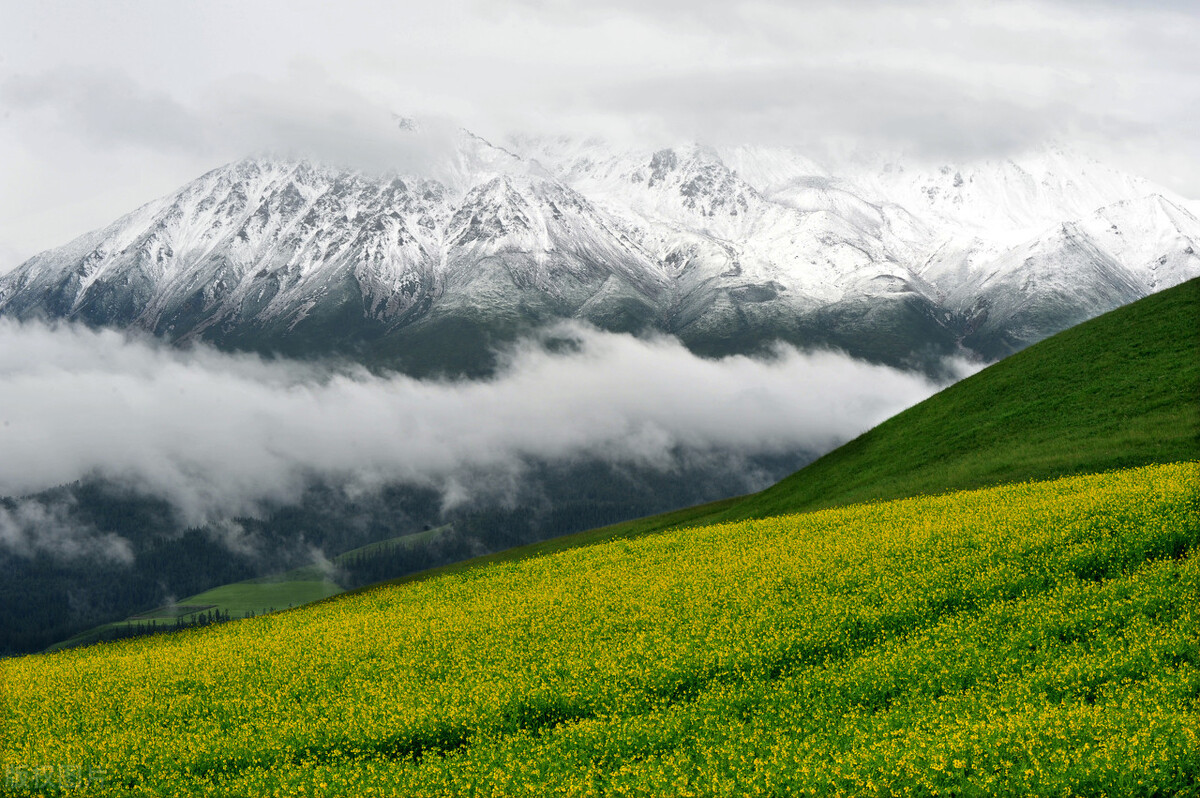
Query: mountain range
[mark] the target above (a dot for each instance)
(729, 249)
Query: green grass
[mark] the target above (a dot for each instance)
(1120, 390)
(391, 544)
(256, 596)
(637, 527)
(239, 599)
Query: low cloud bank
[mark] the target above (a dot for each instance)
(29, 527)
(219, 434)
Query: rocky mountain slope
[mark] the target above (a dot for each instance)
(728, 249)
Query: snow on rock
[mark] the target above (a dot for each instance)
(680, 238)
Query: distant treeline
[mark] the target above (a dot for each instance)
(46, 597)
(160, 625)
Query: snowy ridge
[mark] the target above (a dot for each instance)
(726, 248)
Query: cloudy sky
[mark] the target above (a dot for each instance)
(104, 106)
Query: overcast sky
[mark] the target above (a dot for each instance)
(106, 105)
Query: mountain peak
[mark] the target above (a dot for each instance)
(727, 248)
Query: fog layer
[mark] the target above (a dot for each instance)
(220, 434)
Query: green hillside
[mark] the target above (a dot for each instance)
(249, 597)
(1030, 639)
(1120, 390)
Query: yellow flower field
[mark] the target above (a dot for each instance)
(1041, 638)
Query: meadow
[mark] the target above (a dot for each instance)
(1034, 638)
(256, 596)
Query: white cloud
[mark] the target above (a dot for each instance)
(31, 527)
(218, 434)
(106, 106)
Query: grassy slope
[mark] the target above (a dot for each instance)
(1120, 390)
(1031, 639)
(688, 516)
(264, 596)
(253, 596)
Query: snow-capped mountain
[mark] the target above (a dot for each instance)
(728, 249)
